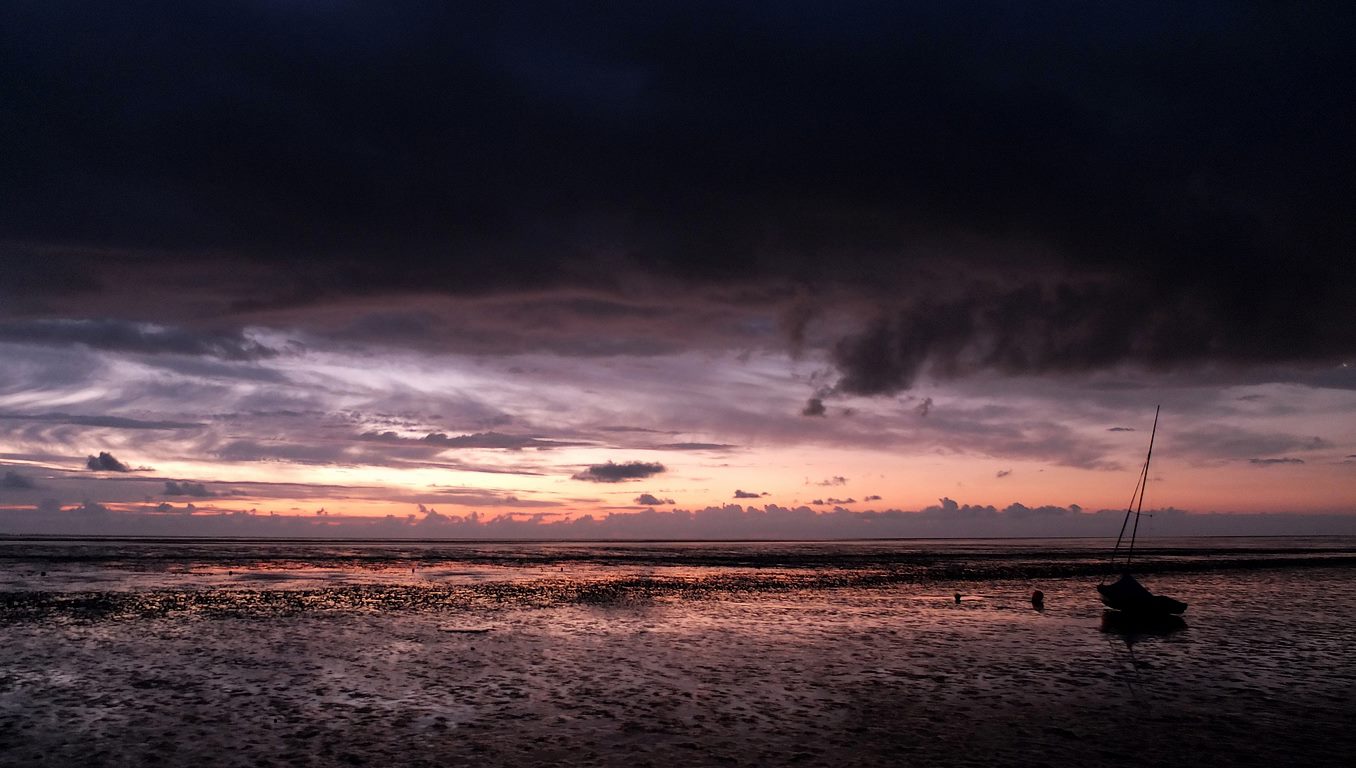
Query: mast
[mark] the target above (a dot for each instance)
(1143, 484)
(1136, 505)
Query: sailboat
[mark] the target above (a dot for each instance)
(1126, 594)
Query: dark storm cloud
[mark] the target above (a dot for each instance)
(105, 462)
(124, 336)
(562, 320)
(617, 473)
(652, 501)
(814, 407)
(1055, 324)
(1012, 187)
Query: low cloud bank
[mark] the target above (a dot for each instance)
(947, 519)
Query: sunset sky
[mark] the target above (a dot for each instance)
(308, 268)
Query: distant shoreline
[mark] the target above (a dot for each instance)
(43, 537)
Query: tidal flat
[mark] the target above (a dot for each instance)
(845, 654)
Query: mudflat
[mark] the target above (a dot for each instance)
(570, 672)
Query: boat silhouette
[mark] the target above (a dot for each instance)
(1126, 594)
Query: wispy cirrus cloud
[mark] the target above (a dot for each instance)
(142, 338)
(111, 422)
(490, 440)
(1215, 441)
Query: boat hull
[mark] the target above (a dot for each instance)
(1129, 596)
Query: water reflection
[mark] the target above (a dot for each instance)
(1132, 627)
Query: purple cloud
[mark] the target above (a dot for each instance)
(105, 462)
(618, 473)
(197, 490)
(493, 440)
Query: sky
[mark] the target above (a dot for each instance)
(688, 270)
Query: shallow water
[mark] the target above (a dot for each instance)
(664, 654)
(140, 565)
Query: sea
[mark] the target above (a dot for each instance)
(882, 652)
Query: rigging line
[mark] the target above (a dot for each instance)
(1129, 508)
(1144, 485)
(1137, 498)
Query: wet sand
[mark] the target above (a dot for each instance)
(893, 675)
